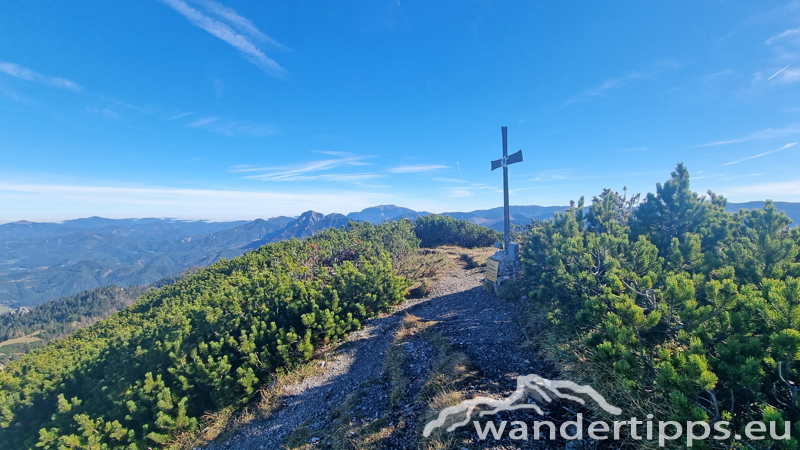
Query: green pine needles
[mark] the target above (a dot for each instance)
(142, 376)
(435, 230)
(681, 298)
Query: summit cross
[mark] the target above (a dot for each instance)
(504, 162)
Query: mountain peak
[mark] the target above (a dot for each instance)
(380, 213)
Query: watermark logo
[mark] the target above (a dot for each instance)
(525, 384)
(548, 390)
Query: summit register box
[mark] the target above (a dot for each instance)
(492, 267)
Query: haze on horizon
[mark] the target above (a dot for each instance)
(199, 109)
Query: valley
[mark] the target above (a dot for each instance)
(46, 261)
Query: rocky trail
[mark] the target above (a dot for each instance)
(352, 394)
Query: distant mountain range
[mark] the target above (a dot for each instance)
(43, 261)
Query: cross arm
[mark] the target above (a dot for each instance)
(511, 159)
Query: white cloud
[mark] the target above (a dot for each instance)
(312, 170)
(719, 175)
(782, 36)
(451, 180)
(620, 82)
(716, 75)
(58, 202)
(227, 33)
(15, 70)
(232, 128)
(178, 116)
(458, 192)
(417, 168)
(345, 177)
(790, 75)
(781, 190)
(242, 24)
(769, 133)
(786, 47)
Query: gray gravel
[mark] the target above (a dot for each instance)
(480, 325)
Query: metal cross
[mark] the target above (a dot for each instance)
(504, 163)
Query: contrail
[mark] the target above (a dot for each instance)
(782, 70)
(762, 154)
(459, 170)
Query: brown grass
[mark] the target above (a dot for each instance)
(222, 423)
(429, 265)
(27, 339)
(468, 258)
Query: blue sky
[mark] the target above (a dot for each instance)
(201, 109)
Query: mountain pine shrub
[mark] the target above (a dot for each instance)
(697, 306)
(434, 230)
(148, 373)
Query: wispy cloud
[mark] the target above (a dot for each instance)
(451, 180)
(15, 70)
(553, 175)
(709, 176)
(56, 202)
(717, 75)
(782, 36)
(417, 168)
(786, 47)
(116, 109)
(761, 154)
(228, 32)
(242, 24)
(232, 128)
(769, 133)
(344, 177)
(780, 190)
(178, 116)
(312, 170)
(457, 192)
(613, 84)
(608, 85)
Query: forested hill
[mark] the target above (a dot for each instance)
(147, 374)
(792, 210)
(58, 318)
(44, 261)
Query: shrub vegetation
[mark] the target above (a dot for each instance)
(149, 373)
(694, 305)
(434, 230)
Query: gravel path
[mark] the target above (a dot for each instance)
(480, 325)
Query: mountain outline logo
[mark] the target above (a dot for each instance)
(525, 383)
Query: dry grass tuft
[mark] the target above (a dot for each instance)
(468, 258)
(396, 356)
(425, 264)
(222, 423)
(424, 268)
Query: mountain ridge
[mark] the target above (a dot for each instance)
(41, 261)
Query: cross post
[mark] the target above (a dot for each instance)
(504, 163)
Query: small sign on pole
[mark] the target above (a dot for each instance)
(492, 267)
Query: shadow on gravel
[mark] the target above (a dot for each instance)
(480, 325)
